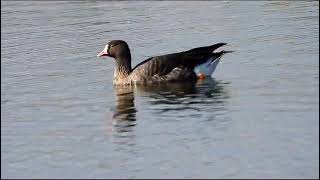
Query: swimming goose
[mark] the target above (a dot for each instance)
(181, 66)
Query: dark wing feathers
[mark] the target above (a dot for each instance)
(160, 65)
(205, 49)
(164, 64)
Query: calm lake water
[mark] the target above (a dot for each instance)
(61, 117)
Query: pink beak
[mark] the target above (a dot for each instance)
(103, 53)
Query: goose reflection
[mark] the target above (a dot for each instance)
(203, 101)
(125, 113)
(204, 95)
(200, 96)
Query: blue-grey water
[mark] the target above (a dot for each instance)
(61, 117)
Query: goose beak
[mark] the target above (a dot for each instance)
(103, 53)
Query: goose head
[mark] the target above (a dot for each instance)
(119, 50)
(116, 48)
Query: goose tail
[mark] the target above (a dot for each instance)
(206, 69)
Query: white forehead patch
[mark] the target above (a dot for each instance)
(107, 46)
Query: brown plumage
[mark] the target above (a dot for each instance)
(165, 68)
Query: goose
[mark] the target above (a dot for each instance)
(190, 65)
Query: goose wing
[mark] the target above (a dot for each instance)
(164, 64)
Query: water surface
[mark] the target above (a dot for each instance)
(62, 118)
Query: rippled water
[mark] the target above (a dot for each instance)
(62, 118)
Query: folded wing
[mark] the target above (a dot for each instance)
(163, 65)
